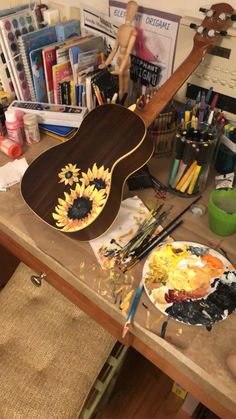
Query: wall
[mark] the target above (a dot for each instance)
(181, 7)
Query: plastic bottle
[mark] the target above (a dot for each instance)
(31, 127)
(13, 127)
(10, 148)
(20, 116)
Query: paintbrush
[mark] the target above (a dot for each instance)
(144, 230)
(172, 222)
(153, 244)
(132, 309)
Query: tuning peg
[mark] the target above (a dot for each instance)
(211, 33)
(224, 16)
(199, 29)
(208, 12)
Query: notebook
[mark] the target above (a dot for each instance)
(38, 75)
(11, 28)
(31, 41)
(59, 73)
(68, 29)
(96, 43)
(50, 59)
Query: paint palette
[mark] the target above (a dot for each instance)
(11, 27)
(191, 283)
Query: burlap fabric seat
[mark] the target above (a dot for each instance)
(50, 351)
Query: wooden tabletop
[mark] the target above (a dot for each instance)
(191, 355)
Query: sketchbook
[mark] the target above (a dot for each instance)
(38, 75)
(30, 42)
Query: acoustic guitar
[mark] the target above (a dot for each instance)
(76, 187)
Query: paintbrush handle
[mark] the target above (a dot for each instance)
(133, 308)
(154, 244)
(158, 241)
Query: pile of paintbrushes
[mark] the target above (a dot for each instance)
(145, 236)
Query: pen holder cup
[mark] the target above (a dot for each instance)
(192, 158)
(163, 132)
(222, 211)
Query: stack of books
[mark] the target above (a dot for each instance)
(22, 69)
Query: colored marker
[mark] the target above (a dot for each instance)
(186, 159)
(178, 154)
(208, 95)
(202, 109)
(201, 160)
(186, 178)
(214, 102)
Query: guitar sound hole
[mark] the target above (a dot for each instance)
(80, 209)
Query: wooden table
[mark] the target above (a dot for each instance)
(197, 360)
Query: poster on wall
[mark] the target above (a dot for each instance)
(154, 50)
(99, 24)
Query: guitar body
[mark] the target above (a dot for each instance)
(76, 187)
(111, 137)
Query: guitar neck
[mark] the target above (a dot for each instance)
(165, 93)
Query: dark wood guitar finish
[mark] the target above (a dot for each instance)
(115, 140)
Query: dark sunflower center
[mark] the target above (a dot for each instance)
(68, 174)
(80, 209)
(99, 183)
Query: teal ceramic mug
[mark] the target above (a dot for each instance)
(222, 211)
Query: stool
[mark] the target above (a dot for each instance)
(50, 351)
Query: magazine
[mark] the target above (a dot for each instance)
(154, 50)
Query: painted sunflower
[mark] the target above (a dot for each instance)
(98, 177)
(79, 208)
(69, 174)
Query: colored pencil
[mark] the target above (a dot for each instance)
(132, 309)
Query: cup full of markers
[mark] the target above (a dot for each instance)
(193, 153)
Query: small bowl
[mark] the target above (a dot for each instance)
(222, 211)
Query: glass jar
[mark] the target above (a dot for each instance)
(193, 153)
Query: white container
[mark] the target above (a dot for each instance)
(31, 127)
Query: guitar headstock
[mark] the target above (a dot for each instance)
(218, 18)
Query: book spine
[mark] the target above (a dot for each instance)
(49, 59)
(59, 74)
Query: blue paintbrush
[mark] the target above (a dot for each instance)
(133, 308)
